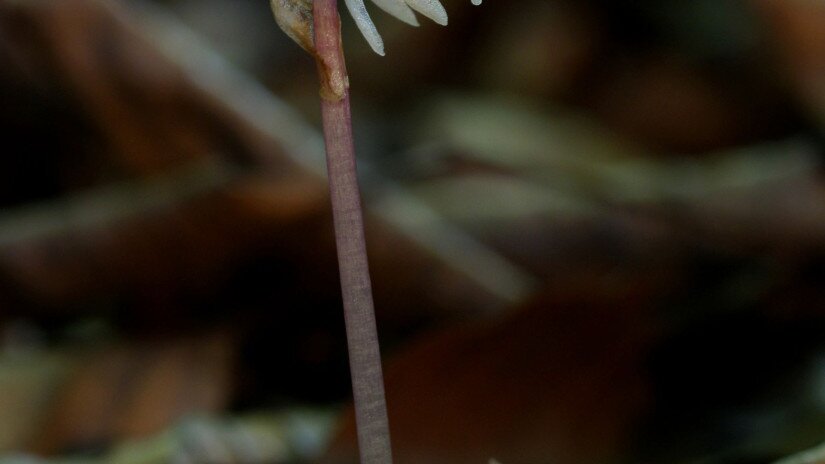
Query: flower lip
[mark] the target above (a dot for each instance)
(362, 19)
(402, 9)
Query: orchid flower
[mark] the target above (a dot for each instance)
(295, 17)
(401, 9)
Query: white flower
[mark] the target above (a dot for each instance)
(401, 9)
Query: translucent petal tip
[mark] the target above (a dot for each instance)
(399, 9)
(431, 9)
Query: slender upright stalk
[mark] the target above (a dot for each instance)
(362, 336)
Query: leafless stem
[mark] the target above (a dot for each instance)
(362, 336)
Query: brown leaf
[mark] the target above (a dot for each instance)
(559, 381)
(130, 391)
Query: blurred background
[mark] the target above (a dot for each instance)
(596, 230)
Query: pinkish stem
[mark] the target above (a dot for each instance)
(362, 336)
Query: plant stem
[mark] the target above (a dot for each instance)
(362, 336)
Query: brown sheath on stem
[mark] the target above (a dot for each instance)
(362, 336)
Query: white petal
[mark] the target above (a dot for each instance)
(399, 9)
(365, 25)
(431, 9)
